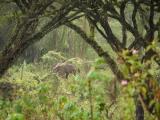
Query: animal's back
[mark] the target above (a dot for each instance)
(64, 69)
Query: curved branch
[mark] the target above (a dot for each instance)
(112, 64)
(26, 36)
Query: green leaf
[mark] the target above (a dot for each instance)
(62, 99)
(70, 107)
(43, 98)
(92, 75)
(100, 61)
(15, 116)
(18, 108)
(158, 109)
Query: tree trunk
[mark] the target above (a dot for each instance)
(22, 39)
(98, 49)
(139, 110)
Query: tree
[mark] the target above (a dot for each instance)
(144, 16)
(28, 19)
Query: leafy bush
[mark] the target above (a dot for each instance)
(42, 95)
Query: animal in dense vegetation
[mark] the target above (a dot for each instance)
(64, 69)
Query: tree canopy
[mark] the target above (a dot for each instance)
(139, 18)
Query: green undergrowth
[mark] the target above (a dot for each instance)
(42, 95)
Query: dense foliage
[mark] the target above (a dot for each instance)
(40, 39)
(47, 96)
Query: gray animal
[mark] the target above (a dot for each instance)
(64, 69)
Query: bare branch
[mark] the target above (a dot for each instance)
(26, 36)
(124, 36)
(99, 51)
(151, 16)
(134, 15)
(21, 7)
